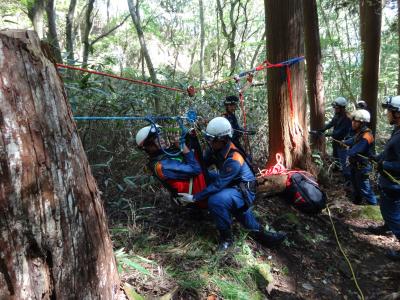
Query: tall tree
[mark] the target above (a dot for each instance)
(134, 11)
(398, 34)
(287, 121)
(372, 19)
(54, 241)
(86, 32)
(202, 40)
(69, 36)
(35, 13)
(315, 80)
(52, 27)
(237, 9)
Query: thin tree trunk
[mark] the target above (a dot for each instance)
(287, 128)
(370, 65)
(86, 32)
(202, 40)
(35, 13)
(134, 12)
(69, 36)
(54, 241)
(398, 34)
(52, 34)
(315, 80)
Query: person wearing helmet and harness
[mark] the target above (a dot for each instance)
(341, 124)
(389, 187)
(361, 143)
(179, 173)
(233, 189)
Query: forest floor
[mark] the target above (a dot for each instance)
(166, 252)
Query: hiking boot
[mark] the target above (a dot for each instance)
(393, 255)
(225, 240)
(268, 239)
(379, 230)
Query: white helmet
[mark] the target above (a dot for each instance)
(361, 104)
(219, 127)
(392, 103)
(144, 133)
(361, 115)
(340, 101)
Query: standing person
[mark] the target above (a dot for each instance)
(231, 104)
(361, 144)
(341, 124)
(389, 163)
(177, 173)
(232, 191)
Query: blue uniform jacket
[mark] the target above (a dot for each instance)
(341, 124)
(360, 143)
(390, 158)
(181, 167)
(232, 168)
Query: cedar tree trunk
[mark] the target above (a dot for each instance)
(54, 241)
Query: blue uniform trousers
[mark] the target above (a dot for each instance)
(362, 186)
(227, 203)
(390, 209)
(342, 156)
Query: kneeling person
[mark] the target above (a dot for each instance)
(232, 190)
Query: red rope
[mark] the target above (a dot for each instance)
(137, 81)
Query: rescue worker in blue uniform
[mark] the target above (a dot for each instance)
(232, 191)
(178, 173)
(341, 124)
(389, 186)
(361, 143)
(231, 103)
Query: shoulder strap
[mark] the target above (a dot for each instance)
(246, 159)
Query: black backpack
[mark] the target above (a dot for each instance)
(304, 193)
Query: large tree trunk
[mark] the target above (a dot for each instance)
(315, 80)
(54, 241)
(370, 66)
(69, 36)
(134, 12)
(287, 128)
(52, 34)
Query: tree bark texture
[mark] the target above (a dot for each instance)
(371, 48)
(315, 79)
(134, 12)
(54, 241)
(288, 133)
(52, 33)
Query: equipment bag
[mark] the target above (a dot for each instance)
(304, 193)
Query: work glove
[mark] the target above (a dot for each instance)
(186, 198)
(328, 134)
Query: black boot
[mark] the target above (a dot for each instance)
(268, 239)
(379, 230)
(225, 240)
